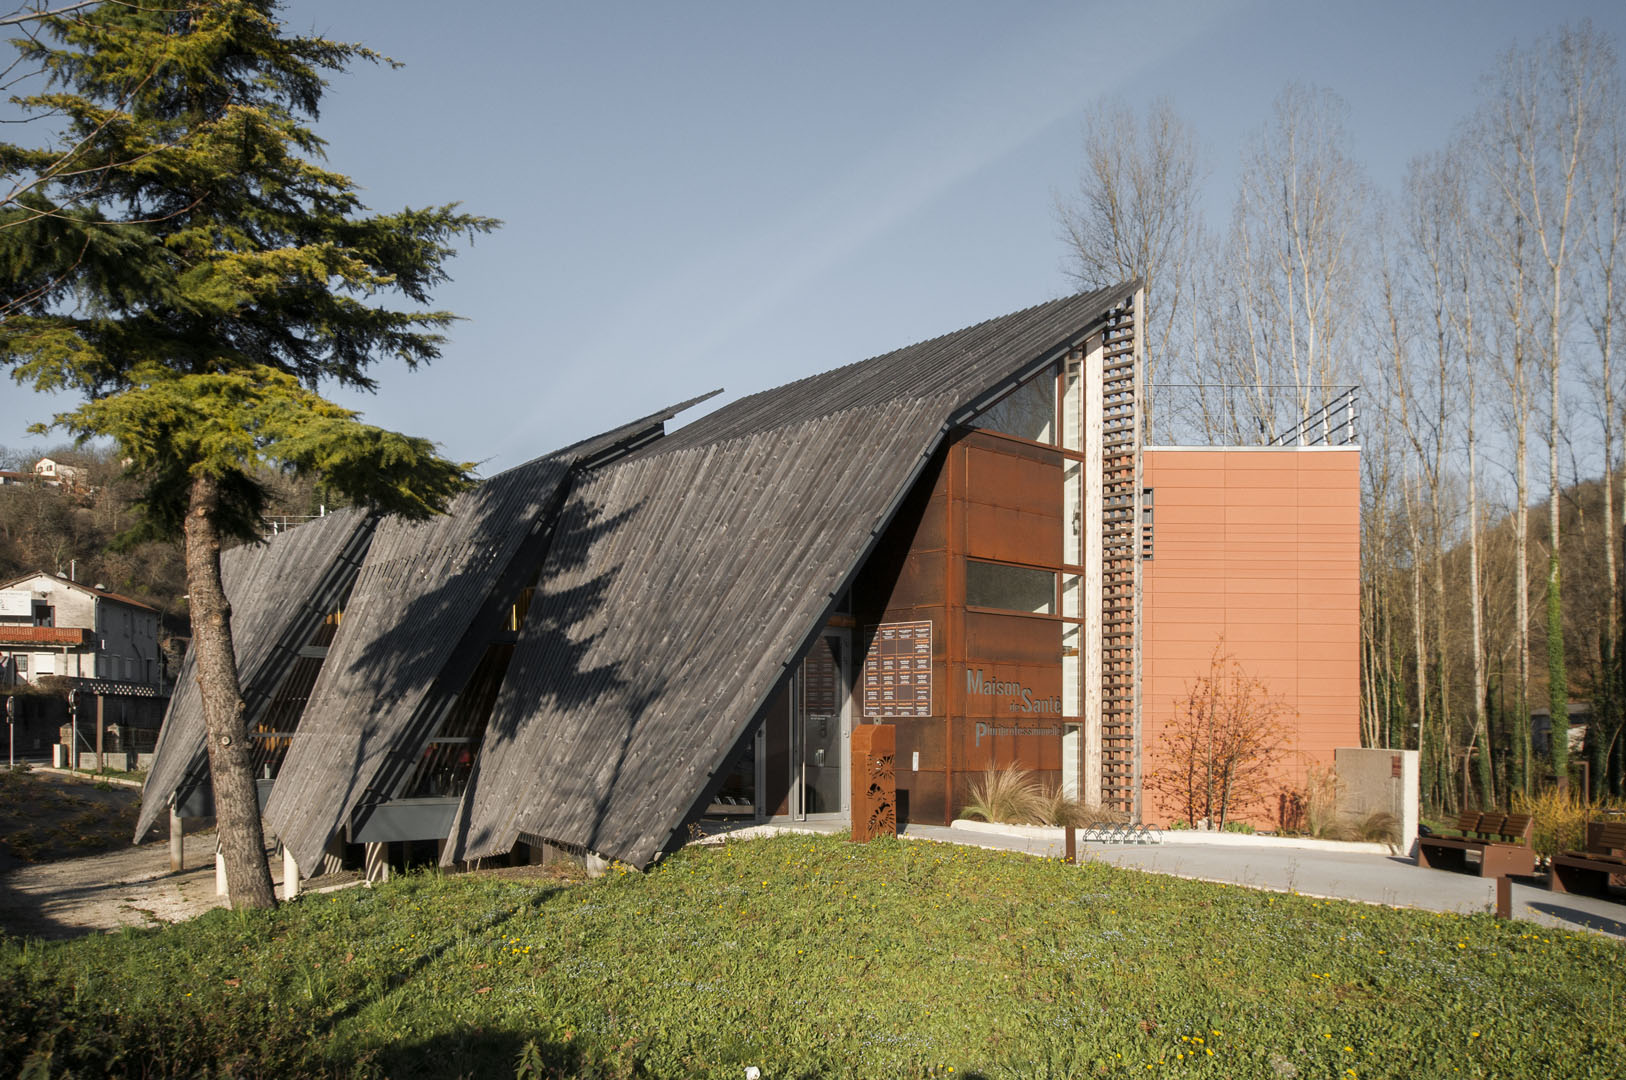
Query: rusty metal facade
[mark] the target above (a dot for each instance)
(874, 782)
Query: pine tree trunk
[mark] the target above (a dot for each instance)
(237, 808)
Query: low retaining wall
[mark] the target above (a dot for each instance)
(1187, 837)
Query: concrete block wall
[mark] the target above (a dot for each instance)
(1375, 779)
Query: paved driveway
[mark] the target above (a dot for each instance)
(1376, 879)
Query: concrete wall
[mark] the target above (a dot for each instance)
(1258, 549)
(1373, 779)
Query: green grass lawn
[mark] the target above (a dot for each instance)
(810, 956)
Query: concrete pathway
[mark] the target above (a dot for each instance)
(1395, 881)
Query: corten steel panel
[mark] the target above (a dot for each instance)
(731, 538)
(279, 591)
(984, 744)
(919, 585)
(874, 795)
(1004, 534)
(1284, 543)
(429, 599)
(1017, 639)
(920, 795)
(1013, 475)
(1042, 681)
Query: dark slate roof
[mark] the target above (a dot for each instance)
(280, 591)
(428, 600)
(685, 581)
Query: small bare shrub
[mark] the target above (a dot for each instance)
(1321, 797)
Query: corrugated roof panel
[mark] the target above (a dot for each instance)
(279, 592)
(424, 607)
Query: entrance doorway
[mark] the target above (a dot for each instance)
(797, 764)
(821, 730)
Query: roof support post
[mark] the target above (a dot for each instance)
(290, 874)
(177, 841)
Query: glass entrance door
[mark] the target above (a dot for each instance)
(820, 731)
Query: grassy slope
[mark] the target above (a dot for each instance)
(812, 956)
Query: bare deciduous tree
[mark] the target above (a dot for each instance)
(1222, 749)
(1136, 215)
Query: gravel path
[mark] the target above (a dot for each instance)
(130, 887)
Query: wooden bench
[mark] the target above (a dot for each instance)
(1589, 871)
(1501, 840)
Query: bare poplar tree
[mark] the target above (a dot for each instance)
(1294, 257)
(1600, 256)
(1136, 215)
(1545, 104)
(1506, 231)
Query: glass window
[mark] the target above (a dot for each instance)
(1029, 412)
(1013, 588)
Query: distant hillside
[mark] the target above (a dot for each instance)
(75, 529)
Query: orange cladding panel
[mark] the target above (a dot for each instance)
(1257, 553)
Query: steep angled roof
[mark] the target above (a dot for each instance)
(280, 591)
(685, 581)
(424, 605)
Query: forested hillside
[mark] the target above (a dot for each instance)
(89, 530)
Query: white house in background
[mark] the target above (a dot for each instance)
(52, 626)
(47, 469)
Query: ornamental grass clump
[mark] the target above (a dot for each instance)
(1378, 827)
(1010, 796)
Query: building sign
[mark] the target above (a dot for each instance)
(988, 731)
(898, 670)
(1018, 697)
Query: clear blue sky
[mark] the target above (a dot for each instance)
(702, 195)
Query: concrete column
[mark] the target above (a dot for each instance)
(177, 842)
(290, 874)
(377, 862)
(220, 874)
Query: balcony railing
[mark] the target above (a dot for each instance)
(77, 636)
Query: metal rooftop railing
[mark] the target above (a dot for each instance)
(1231, 414)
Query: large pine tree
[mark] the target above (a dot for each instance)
(175, 252)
